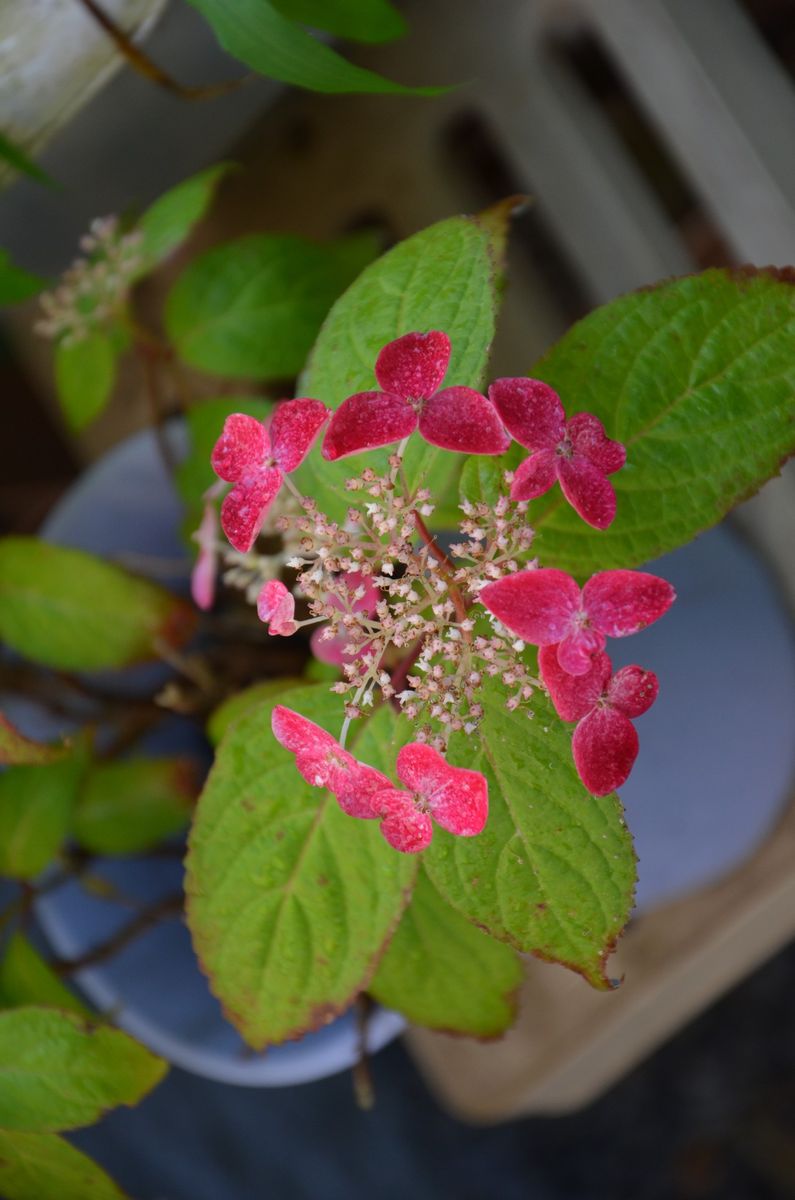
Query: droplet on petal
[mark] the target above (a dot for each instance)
(242, 447)
(244, 509)
(538, 605)
(365, 421)
(404, 826)
(573, 695)
(531, 411)
(462, 420)
(633, 690)
(293, 429)
(457, 797)
(605, 746)
(623, 602)
(414, 365)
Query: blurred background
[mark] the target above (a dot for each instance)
(655, 137)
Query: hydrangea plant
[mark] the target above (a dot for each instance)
(419, 734)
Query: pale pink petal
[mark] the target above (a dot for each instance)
(295, 732)
(276, 606)
(573, 695)
(587, 436)
(577, 649)
(246, 507)
(414, 365)
(531, 411)
(605, 746)
(458, 798)
(203, 575)
(365, 421)
(587, 490)
(356, 789)
(461, 419)
(293, 429)
(243, 446)
(633, 690)
(327, 768)
(535, 475)
(404, 826)
(540, 606)
(318, 756)
(622, 602)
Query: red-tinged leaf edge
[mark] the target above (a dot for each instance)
(322, 1014)
(18, 750)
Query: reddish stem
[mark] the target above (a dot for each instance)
(447, 565)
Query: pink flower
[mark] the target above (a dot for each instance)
(323, 762)
(276, 605)
(202, 579)
(256, 460)
(456, 798)
(576, 452)
(605, 743)
(546, 607)
(409, 371)
(332, 650)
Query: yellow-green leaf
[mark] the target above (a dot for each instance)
(290, 901)
(128, 807)
(25, 978)
(68, 609)
(43, 1166)
(59, 1072)
(442, 972)
(553, 872)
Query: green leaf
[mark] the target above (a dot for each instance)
(43, 1166)
(17, 284)
(16, 749)
(16, 157)
(60, 1072)
(553, 872)
(128, 807)
(170, 219)
(85, 374)
(250, 698)
(265, 40)
(445, 277)
(36, 805)
(696, 377)
(442, 972)
(67, 609)
(205, 422)
(252, 308)
(482, 480)
(290, 901)
(25, 978)
(359, 20)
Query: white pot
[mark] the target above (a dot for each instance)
(53, 58)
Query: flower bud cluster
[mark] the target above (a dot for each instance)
(94, 288)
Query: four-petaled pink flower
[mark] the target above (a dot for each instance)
(546, 607)
(409, 371)
(276, 606)
(455, 797)
(205, 569)
(332, 649)
(256, 459)
(576, 452)
(605, 743)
